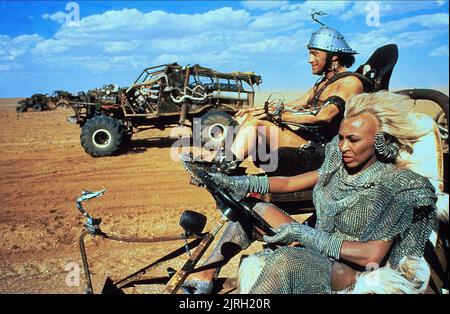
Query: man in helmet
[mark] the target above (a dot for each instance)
(305, 125)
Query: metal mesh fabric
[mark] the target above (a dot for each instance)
(294, 270)
(380, 203)
(233, 240)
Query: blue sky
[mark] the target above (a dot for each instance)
(114, 40)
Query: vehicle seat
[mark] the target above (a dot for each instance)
(378, 68)
(428, 161)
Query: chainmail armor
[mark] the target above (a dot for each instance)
(380, 203)
(293, 270)
(240, 186)
(235, 237)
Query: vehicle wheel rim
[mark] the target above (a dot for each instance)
(101, 138)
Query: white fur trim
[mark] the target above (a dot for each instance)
(411, 277)
(249, 271)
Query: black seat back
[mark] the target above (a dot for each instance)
(378, 68)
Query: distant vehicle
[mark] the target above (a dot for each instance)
(37, 102)
(63, 98)
(161, 96)
(41, 102)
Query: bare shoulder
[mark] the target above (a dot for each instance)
(348, 86)
(350, 81)
(344, 88)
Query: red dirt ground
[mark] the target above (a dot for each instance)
(44, 169)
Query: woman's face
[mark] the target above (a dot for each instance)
(356, 141)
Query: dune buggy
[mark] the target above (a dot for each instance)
(63, 98)
(37, 102)
(162, 96)
(58, 99)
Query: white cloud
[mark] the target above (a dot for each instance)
(279, 21)
(157, 34)
(416, 32)
(215, 37)
(359, 8)
(264, 5)
(123, 42)
(119, 46)
(59, 17)
(428, 21)
(329, 7)
(441, 51)
(12, 48)
(298, 15)
(389, 8)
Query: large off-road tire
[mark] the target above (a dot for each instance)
(215, 127)
(102, 136)
(63, 103)
(38, 107)
(21, 108)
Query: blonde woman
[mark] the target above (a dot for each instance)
(371, 211)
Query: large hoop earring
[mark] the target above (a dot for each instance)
(386, 150)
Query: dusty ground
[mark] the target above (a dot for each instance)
(44, 169)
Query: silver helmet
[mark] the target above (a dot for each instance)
(329, 39)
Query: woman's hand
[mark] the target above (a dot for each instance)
(313, 239)
(286, 234)
(240, 186)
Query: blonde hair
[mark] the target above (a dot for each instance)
(393, 114)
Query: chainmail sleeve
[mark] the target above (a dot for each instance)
(408, 218)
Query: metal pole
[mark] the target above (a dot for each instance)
(180, 276)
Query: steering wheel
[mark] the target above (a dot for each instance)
(232, 209)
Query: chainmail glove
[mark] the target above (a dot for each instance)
(239, 186)
(313, 239)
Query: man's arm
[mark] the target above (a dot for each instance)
(347, 87)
